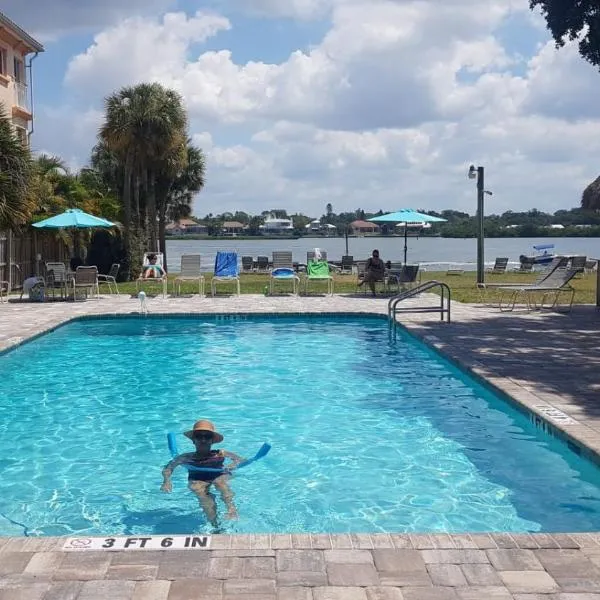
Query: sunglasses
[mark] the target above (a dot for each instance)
(203, 436)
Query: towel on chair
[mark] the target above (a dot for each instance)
(317, 268)
(226, 264)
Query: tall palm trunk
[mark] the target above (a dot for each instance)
(127, 176)
(151, 207)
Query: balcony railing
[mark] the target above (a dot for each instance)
(22, 96)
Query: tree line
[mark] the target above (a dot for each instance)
(143, 172)
(532, 223)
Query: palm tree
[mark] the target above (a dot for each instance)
(591, 196)
(144, 126)
(176, 185)
(16, 203)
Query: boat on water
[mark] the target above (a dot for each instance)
(542, 254)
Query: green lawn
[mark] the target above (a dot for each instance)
(463, 286)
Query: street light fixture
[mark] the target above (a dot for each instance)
(478, 173)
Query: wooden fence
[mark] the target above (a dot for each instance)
(24, 255)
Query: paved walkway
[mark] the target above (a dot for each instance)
(547, 362)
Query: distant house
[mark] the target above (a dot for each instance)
(556, 226)
(186, 226)
(318, 228)
(363, 227)
(233, 228)
(274, 226)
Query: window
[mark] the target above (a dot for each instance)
(19, 74)
(3, 60)
(22, 135)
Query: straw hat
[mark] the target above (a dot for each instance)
(204, 425)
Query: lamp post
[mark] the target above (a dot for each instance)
(479, 174)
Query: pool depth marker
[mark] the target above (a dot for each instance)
(139, 542)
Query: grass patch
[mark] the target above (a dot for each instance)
(463, 286)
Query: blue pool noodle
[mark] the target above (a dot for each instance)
(263, 451)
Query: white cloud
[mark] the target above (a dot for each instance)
(388, 110)
(139, 50)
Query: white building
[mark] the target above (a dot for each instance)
(274, 226)
(16, 46)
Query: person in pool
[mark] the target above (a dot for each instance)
(153, 270)
(204, 435)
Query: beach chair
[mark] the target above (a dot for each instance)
(226, 271)
(361, 266)
(590, 266)
(110, 278)
(347, 264)
(499, 266)
(86, 278)
(318, 270)
(558, 262)
(283, 271)
(56, 278)
(247, 264)
(162, 280)
(578, 263)
(403, 279)
(555, 284)
(262, 263)
(189, 271)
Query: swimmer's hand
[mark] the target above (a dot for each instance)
(167, 487)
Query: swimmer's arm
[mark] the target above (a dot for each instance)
(235, 459)
(168, 470)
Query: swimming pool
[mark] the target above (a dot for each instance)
(368, 435)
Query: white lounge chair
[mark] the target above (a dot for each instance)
(283, 270)
(189, 271)
(160, 260)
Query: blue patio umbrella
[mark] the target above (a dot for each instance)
(407, 216)
(73, 217)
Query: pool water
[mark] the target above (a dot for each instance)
(368, 435)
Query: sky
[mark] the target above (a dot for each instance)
(370, 104)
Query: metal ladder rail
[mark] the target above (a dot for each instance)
(445, 298)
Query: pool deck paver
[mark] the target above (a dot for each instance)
(548, 363)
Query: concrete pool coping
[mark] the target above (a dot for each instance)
(504, 350)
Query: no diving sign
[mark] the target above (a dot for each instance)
(149, 542)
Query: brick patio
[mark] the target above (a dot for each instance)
(548, 363)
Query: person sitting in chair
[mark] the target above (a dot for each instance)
(374, 271)
(153, 270)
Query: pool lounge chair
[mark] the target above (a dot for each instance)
(283, 270)
(141, 281)
(403, 278)
(86, 278)
(56, 278)
(558, 262)
(262, 263)
(247, 264)
(499, 266)
(318, 270)
(189, 271)
(347, 264)
(361, 267)
(578, 262)
(226, 271)
(111, 278)
(555, 284)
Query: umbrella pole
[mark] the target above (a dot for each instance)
(346, 240)
(405, 241)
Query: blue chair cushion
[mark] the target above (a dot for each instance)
(283, 273)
